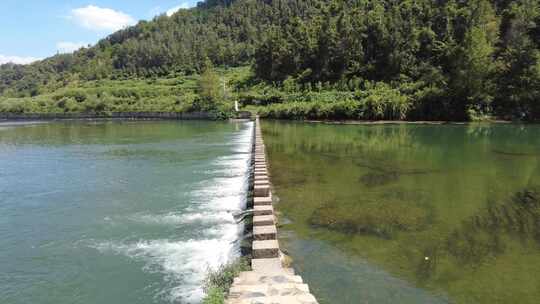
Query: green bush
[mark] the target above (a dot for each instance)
(218, 282)
(214, 296)
(383, 102)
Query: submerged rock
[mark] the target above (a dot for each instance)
(379, 218)
(379, 179)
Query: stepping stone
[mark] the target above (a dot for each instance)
(265, 249)
(262, 233)
(305, 298)
(262, 201)
(267, 266)
(263, 210)
(260, 191)
(261, 175)
(261, 181)
(285, 289)
(253, 278)
(263, 220)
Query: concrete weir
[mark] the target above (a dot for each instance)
(268, 282)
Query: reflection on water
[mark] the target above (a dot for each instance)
(453, 210)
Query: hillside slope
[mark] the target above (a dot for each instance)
(341, 59)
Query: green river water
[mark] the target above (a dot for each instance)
(136, 212)
(118, 212)
(410, 213)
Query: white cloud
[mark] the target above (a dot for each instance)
(17, 59)
(69, 47)
(175, 9)
(97, 18)
(156, 10)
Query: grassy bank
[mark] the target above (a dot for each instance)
(216, 90)
(218, 282)
(173, 94)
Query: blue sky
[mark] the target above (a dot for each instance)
(35, 29)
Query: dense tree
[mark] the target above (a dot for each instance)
(449, 59)
(210, 91)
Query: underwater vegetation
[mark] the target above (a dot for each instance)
(434, 206)
(382, 218)
(381, 174)
(482, 236)
(152, 154)
(373, 179)
(477, 239)
(516, 154)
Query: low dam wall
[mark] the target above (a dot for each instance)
(117, 115)
(268, 282)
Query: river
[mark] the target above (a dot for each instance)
(410, 213)
(118, 212)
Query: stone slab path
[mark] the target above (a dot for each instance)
(268, 282)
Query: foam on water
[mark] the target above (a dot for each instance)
(176, 219)
(185, 262)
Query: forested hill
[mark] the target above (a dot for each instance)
(345, 59)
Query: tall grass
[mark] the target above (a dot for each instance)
(218, 282)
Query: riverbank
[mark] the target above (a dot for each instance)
(121, 115)
(403, 122)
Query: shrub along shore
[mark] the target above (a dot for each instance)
(215, 92)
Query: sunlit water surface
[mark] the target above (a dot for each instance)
(410, 213)
(118, 212)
